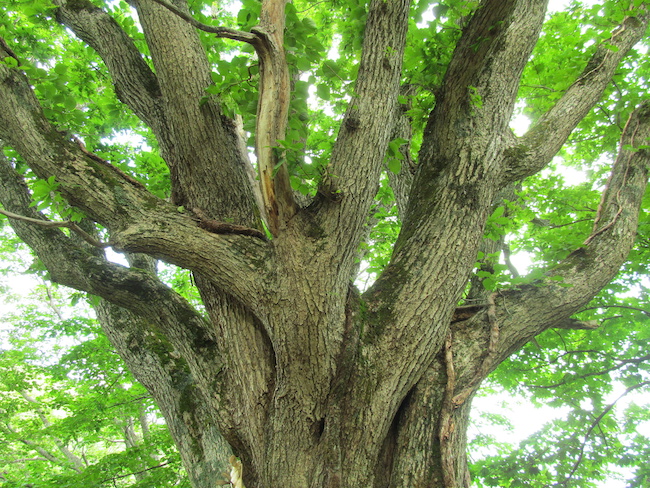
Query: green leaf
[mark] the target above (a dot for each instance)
(394, 165)
(323, 91)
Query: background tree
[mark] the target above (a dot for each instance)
(310, 381)
(72, 415)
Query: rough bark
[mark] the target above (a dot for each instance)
(310, 383)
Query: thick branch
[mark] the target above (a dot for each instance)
(480, 86)
(273, 105)
(201, 146)
(531, 152)
(135, 83)
(138, 221)
(350, 183)
(83, 269)
(454, 188)
(167, 377)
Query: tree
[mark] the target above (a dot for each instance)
(307, 379)
(72, 415)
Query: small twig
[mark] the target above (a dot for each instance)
(646, 312)
(312, 6)
(49, 223)
(50, 299)
(557, 226)
(113, 478)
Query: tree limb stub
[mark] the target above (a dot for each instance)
(272, 115)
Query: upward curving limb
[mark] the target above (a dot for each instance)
(166, 376)
(135, 84)
(523, 313)
(530, 153)
(78, 265)
(352, 176)
(199, 148)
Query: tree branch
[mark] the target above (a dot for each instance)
(530, 153)
(224, 32)
(593, 425)
(453, 189)
(74, 266)
(642, 310)
(178, 393)
(67, 224)
(532, 309)
(201, 146)
(273, 104)
(135, 84)
(72, 458)
(350, 182)
(138, 221)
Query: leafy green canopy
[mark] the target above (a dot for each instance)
(72, 415)
(585, 370)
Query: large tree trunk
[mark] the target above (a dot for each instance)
(308, 381)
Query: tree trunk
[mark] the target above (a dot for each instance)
(310, 382)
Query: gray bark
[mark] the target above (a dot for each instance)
(310, 383)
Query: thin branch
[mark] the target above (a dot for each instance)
(67, 224)
(226, 32)
(593, 425)
(637, 309)
(50, 300)
(113, 478)
(622, 364)
(312, 6)
(23, 460)
(505, 248)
